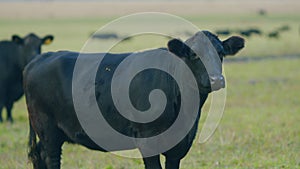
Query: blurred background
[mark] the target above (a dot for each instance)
(260, 127)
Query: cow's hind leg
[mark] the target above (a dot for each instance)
(46, 154)
(51, 141)
(2, 101)
(172, 163)
(9, 107)
(152, 162)
(1, 106)
(53, 156)
(52, 144)
(37, 156)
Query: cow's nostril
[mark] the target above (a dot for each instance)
(217, 82)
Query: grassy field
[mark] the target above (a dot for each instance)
(260, 127)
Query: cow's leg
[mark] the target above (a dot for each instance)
(53, 156)
(52, 143)
(37, 156)
(172, 163)
(1, 107)
(152, 162)
(46, 156)
(2, 100)
(9, 107)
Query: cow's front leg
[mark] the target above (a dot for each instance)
(172, 163)
(152, 162)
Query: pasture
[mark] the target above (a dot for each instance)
(260, 127)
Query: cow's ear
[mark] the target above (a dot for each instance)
(17, 39)
(233, 44)
(47, 39)
(180, 49)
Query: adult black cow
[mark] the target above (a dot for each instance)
(14, 55)
(52, 115)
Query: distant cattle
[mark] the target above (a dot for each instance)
(284, 28)
(14, 55)
(255, 31)
(52, 116)
(262, 12)
(105, 36)
(276, 33)
(223, 32)
(249, 32)
(273, 34)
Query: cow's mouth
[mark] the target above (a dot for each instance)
(217, 82)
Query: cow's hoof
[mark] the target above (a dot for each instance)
(11, 120)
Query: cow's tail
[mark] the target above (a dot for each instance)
(33, 152)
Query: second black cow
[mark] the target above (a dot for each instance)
(14, 56)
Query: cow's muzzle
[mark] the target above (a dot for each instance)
(217, 82)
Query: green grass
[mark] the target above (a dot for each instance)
(260, 127)
(71, 34)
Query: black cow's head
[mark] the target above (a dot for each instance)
(31, 45)
(204, 53)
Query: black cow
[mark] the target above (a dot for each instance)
(105, 36)
(284, 28)
(274, 34)
(249, 32)
(255, 31)
(48, 91)
(223, 32)
(14, 55)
